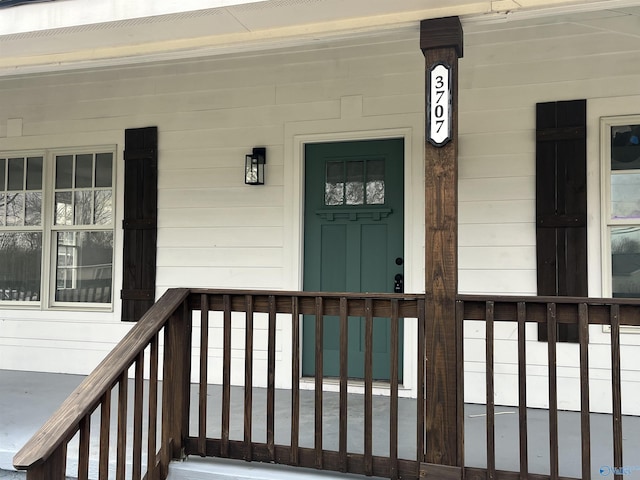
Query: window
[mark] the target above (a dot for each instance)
(56, 227)
(621, 205)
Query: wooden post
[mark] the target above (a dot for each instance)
(441, 44)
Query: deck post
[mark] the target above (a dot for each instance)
(441, 44)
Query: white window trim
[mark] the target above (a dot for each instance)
(605, 205)
(48, 262)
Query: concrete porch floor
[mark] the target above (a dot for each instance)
(27, 399)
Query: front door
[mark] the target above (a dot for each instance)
(353, 242)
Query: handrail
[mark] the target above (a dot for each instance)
(65, 421)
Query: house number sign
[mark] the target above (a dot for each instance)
(439, 104)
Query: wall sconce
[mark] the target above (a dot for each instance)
(254, 166)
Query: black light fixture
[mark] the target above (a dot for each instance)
(254, 166)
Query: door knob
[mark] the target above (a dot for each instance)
(398, 283)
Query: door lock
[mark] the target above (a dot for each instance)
(398, 284)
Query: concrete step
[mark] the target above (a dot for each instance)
(196, 468)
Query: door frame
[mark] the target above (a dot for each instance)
(300, 133)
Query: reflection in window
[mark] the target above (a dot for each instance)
(355, 182)
(21, 191)
(625, 261)
(20, 259)
(84, 266)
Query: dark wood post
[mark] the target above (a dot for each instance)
(441, 43)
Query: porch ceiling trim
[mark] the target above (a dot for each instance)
(145, 39)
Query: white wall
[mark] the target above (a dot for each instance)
(506, 70)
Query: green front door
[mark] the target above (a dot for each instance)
(353, 242)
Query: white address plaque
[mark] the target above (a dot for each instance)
(439, 104)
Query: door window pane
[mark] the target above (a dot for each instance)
(84, 267)
(334, 184)
(20, 260)
(375, 182)
(354, 191)
(625, 261)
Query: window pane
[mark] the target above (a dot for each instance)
(334, 184)
(2, 208)
(2, 168)
(625, 195)
(84, 171)
(354, 192)
(625, 261)
(625, 147)
(64, 171)
(102, 206)
(103, 169)
(84, 267)
(16, 174)
(34, 173)
(15, 208)
(64, 209)
(33, 208)
(20, 259)
(375, 182)
(82, 208)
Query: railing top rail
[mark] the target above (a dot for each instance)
(548, 299)
(303, 294)
(63, 423)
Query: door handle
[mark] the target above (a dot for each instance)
(398, 283)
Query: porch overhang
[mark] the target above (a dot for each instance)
(53, 36)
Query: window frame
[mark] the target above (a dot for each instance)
(607, 221)
(49, 230)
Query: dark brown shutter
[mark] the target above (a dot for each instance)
(140, 221)
(561, 203)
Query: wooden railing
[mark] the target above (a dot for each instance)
(45, 455)
(551, 311)
(173, 417)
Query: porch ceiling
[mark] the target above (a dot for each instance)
(64, 34)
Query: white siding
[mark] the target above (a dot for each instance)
(213, 231)
(505, 71)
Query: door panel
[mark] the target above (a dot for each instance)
(354, 224)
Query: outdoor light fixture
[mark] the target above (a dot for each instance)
(254, 166)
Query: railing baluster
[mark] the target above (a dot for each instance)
(202, 390)
(295, 381)
(105, 428)
(344, 365)
(393, 385)
(460, 393)
(204, 363)
(490, 404)
(83, 451)
(585, 415)
(420, 437)
(121, 459)
(553, 391)
(153, 410)
(616, 390)
(271, 379)
(522, 389)
(248, 378)
(138, 398)
(368, 387)
(226, 377)
(318, 383)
